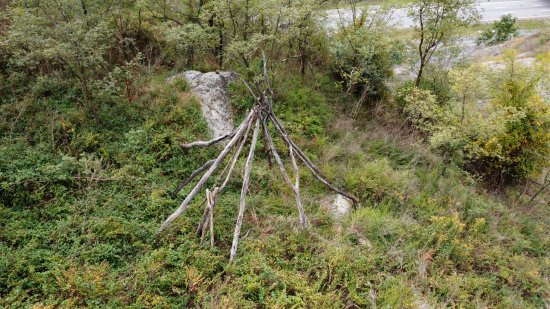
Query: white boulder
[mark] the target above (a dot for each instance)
(211, 90)
(337, 205)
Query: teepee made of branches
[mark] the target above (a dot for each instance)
(257, 121)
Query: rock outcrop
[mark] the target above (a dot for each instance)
(337, 205)
(211, 90)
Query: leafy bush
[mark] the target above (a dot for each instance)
(421, 108)
(69, 50)
(306, 111)
(507, 142)
(516, 145)
(501, 31)
(363, 58)
(377, 180)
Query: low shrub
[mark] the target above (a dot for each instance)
(421, 109)
(501, 31)
(506, 141)
(376, 180)
(363, 58)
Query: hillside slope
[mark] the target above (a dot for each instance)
(81, 198)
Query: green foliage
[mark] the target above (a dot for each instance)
(421, 108)
(377, 180)
(467, 84)
(78, 222)
(503, 143)
(437, 22)
(297, 108)
(83, 190)
(68, 44)
(181, 84)
(364, 56)
(517, 145)
(501, 31)
(218, 33)
(189, 40)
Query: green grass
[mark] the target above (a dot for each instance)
(78, 214)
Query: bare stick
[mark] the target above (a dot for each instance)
(264, 134)
(191, 177)
(297, 186)
(314, 169)
(207, 143)
(303, 219)
(211, 197)
(219, 159)
(279, 126)
(244, 191)
(209, 212)
(543, 186)
(256, 98)
(234, 160)
(266, 79)
(208, 205)
(203, 228)
(203, 218)
(230, 167)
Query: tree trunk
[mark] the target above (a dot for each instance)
(420, 71)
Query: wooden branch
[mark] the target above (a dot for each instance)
(256, 98)
(192, 176)
(209, 207)
(211, 196)
(205, 225)
(265, 142)
(303, 219)
(297, 186)
(230, 167)
(204, 178)
(261, 114)
(279, 126)
(314, 169)
(545, 184)
(244, 191)
(207, 143)
(234, 159)
(203, 219)
(266, 78)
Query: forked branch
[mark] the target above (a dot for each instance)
(207, 143)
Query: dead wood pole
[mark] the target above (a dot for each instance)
(229, 168)
(211, 196)
(294, 188)
(207, 143)
(307, 162)
(297, 188)
(191, 177)
(244, 191)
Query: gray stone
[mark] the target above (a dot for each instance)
(337, 205)
(211, 90)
